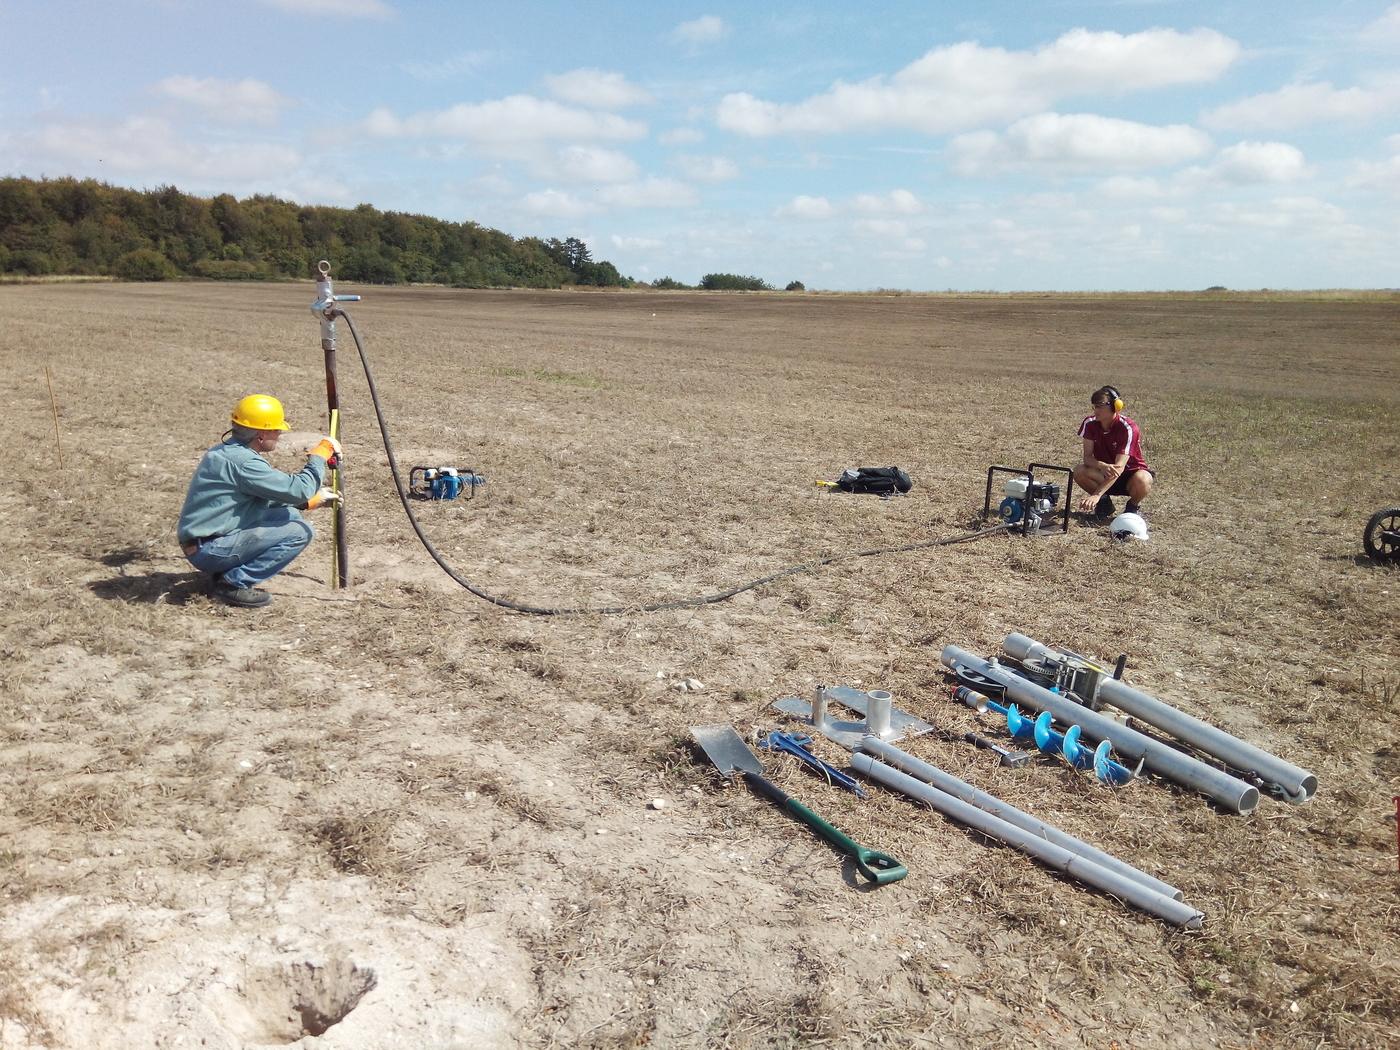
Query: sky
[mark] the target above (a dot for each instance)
(1109, 145)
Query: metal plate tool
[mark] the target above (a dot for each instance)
(878, 716)
(727, 750)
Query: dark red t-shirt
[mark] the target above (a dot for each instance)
(1123, 435)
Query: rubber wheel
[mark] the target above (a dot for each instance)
(1382, 536)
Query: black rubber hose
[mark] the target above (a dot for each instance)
(612, 610)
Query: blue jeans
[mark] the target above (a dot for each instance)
(250, 556)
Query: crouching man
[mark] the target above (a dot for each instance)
(240, 523)
(1113, 463)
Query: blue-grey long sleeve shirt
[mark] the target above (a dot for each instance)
(233, 488)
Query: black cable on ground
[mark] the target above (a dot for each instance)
(613, 610)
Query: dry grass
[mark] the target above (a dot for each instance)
(458, 770)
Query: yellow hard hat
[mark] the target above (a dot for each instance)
(260, 412)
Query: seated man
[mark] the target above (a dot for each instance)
(1113, 463)
(240, 522)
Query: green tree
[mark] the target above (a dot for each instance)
(83, 226)
(144, 264)
(733, 282)
(371, 265)
(30, 262)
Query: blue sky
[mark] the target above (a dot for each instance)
(1123, 144)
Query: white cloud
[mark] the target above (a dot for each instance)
(896, 202)
(1131, 188)
(681, 137)
(1298, 105)
(706, 169)
(1281, 213)
(334, 8)
(1255, 162)
(650, 193)
(596, 88)
(804, 207)
(229, 101)
(515, 119)
(891, 234)
(885, 229)
(556, 203)
(634, 244)
(460, 64)
(964, 85)
(1385, 30)
(1076, 142)
(595, 164)
(1379, 175)
(703, 30)
(148, 148)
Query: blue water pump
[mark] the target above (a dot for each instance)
(1030, 502)
(1033, 499)
(443, 482)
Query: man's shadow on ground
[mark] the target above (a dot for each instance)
(171, 588)
(151, 588)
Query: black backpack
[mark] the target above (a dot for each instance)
(879, 481)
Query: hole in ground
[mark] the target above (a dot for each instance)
(287, 1003)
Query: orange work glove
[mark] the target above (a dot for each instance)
(328, 448)
(321, 497)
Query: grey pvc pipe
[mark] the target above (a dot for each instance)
(1072, 864)
(1229, 792)
(961, 789)
(1283, 778)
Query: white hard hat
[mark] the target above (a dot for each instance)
(1128, 526)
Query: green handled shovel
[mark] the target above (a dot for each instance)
(727, 750)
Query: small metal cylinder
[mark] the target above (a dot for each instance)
(819, 715)
(972, 698)
(877, 713)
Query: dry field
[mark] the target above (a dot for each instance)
(402, 817)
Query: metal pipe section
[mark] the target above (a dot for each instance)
(878, 708)
(1230, 793)
(1072, 864)
(1282, 778)
(819, 712)
(960, 789)
(325, 309)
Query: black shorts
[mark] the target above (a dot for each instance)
(1120, 487)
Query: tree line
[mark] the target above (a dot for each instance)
(82, 226)
(86, 227)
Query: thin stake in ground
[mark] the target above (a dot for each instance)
(53, 404)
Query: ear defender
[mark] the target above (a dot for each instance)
(1112, 391)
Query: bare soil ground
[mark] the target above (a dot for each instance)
(398, 816)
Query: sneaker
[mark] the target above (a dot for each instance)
(242, 597)
(1105, 508)
(1133, 508)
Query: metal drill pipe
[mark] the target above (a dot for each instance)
(1282, 778)
(1230, 793)
(1072, 864)
(960, 789)
(340, 557)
